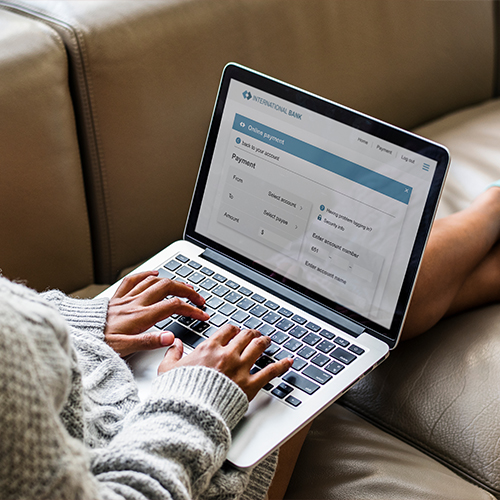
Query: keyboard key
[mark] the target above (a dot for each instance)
(258, 310)
(311, 338)
(232, 284)
(253, 323)
(258, 298)
(269, 386)
(293, 345)
(184, 271)
(214, 302)
(210, 331)
(227, 309)
(245, 291)
(264, 361)
(196, 278)
(194, 265)
(356, 350)
(163, 273)
(266, 329)
(220, 290)
(172, 265)
(285, 312)
(204, 294)
(272, 305)
(217, 320)
(293, 401)
(327, 334)
(282, 355)
(182, 258)
(313, 326)
(285, 388)
(271, 317)
(316, 374)
(279, 393)
(279, 337)
(307, 352)
(200, 326)
(233, 297)
(342, 342)
(207, 271)
(284, 324)
(325, 346)
(272, 350)
(298, 364)
(299, 319)
(342, 355)
(302, 383)
(245, 304)
(219, 278)
(240, 316)
(185, 320)
(320, 360)
(298, 331)
(334, 367)
(208, 284)
(187, 336)
(162, 324)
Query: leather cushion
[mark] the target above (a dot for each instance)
(44, 227)
(344, 457)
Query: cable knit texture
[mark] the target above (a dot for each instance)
(73, 427)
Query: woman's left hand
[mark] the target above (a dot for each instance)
(139, 303)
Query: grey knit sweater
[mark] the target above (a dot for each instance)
(72, 425)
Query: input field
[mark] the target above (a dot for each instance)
(273, 238)
(362, 273)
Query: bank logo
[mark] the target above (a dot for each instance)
(247, 95)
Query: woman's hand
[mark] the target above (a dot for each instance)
(232, 352)
(139, 303)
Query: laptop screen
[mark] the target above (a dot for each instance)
(332, 203)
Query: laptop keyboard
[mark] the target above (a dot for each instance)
(318, 354)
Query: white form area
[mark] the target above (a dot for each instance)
(316, 201)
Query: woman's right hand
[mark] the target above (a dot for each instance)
(232, 352)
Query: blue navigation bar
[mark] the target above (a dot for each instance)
(321, 158)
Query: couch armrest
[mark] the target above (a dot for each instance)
(44, 228)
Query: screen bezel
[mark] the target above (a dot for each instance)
(347, 116)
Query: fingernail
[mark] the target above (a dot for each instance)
(166, 338)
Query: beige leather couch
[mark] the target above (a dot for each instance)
(104, 106)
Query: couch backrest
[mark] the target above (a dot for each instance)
(44, 228)
(145, 75)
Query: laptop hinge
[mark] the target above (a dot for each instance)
(285, 293)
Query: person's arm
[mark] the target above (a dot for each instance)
(125, 320)
(170, 446)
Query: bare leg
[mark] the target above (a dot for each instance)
(289, 453)
(460, 268)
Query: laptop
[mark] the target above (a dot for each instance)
(308, 222)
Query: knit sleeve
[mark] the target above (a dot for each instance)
(177, 440)
(38, 457)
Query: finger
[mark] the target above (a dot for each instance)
(244, 339)
(155, 290)
(166, 308)
(127, 344)
(129, 282)
(255, 349)
(180, 289)
(225, 334)
(172, 356)
(262, 377)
